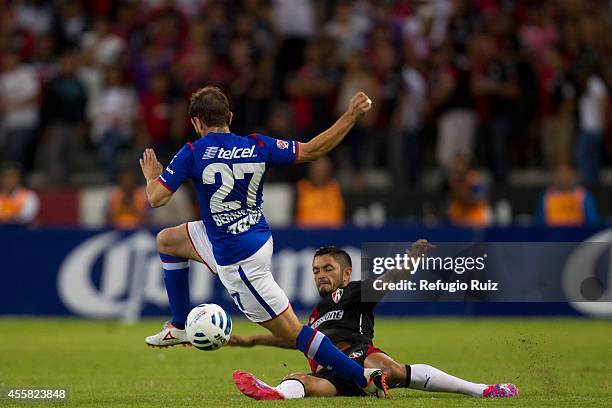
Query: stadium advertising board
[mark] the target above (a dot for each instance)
(115, 274)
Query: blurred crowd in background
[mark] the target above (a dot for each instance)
(470, 91)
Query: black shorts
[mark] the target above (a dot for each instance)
(344, 386)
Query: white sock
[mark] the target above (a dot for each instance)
(427, 378)
(291, 389)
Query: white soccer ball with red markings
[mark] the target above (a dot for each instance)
(208, 326)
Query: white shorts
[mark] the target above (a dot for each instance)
(249, 282)
(197, 235)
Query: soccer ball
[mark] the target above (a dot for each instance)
(208, 326)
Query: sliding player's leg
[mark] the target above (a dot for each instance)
(396, 372)
(296, 385)
(299, 385)
(427, 378)
(176, 246)
(255, 292)
(318, 347)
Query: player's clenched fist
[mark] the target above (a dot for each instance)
(151, 167)
(420, 247)
(359, 104)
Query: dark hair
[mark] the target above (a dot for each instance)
(338, 254)
(210, 105)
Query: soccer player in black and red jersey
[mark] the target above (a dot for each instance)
(349, 323)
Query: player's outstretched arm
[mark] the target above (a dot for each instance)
(323, 143)
(157, 194)
(259, 340)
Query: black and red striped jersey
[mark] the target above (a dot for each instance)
(343, 317)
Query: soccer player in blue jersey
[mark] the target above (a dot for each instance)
(233, 238)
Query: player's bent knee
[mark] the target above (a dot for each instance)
(164, 241)
(171, 241)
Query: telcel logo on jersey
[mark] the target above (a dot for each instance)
(234, 153)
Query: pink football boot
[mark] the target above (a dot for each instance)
(254, 388)
(500, 391)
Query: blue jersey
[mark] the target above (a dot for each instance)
(228, 172)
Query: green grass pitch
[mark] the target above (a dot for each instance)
(555, 362)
